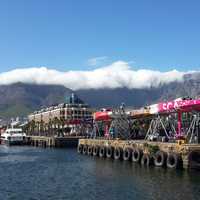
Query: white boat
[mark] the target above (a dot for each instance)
(13, 136)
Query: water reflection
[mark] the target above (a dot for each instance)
(27, 172)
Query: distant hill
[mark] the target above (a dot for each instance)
(20, 99)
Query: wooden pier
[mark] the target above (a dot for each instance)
(160, 154)
(43, 141)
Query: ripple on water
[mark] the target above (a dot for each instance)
(35, 173)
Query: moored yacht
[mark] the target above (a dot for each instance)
(13, 136)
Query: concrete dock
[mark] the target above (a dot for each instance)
(160, 154)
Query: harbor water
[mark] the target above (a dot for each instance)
(37, 173)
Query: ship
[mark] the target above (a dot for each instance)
(13, 136)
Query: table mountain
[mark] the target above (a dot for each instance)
(20, 99)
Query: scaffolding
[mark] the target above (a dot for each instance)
(162, 127)
(193, 133)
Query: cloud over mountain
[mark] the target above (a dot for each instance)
(116, 75)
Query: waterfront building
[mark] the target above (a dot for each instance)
(65, 118)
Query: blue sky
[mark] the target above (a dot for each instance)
(65, 34)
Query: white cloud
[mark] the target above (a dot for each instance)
(118, 74)
(96, 61)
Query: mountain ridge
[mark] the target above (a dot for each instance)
(19, 99)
